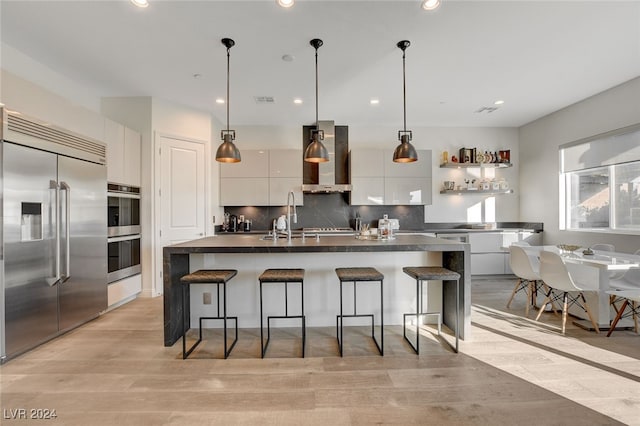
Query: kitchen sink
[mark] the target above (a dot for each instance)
(284, 236)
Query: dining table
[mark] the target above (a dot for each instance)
(591, 271)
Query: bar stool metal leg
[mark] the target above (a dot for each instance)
(356, 276)
(436, 273)
(281, 276)
(207, 276)
(420, 313)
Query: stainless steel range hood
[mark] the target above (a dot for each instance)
(332, 176)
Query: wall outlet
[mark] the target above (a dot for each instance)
(206, 298)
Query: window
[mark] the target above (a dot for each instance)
(626, 193)
(588, 199)
(600, 184)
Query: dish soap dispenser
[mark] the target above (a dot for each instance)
(384, 227)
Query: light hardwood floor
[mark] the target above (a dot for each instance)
(116, 371)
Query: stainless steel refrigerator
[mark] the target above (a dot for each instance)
(54, 232)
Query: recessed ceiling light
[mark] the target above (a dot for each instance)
(498, 102)
(288, 58)
(430, 4)
(219, 101)
(374, 101)
(285, 3)
(196, 75)
(297, 101)
(140, 3)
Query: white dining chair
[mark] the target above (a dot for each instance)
(526, 269)
(554, 273)
(629, 298)
(630, 281)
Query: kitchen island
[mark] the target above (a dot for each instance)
(250, 254)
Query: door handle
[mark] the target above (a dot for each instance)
(54, 189)
(67, 202)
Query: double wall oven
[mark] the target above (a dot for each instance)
(123, 219)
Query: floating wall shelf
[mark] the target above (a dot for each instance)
(476, 191)
(470, 165)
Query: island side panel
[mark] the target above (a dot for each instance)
(174, 266)
(460, 262)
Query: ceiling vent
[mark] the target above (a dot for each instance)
(264, 99)
(488, 110)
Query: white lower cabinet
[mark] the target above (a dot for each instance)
(124, 290)
(489, 255)
(488, 263)
(486, 242)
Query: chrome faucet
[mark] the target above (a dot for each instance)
(291, 201)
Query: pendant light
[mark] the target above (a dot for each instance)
(227, 151)
(405, 152)
(316, 152)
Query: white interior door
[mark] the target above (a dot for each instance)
(181, 193)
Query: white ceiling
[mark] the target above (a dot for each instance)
(536, 56)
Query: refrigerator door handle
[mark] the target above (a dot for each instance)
(54, 193)
(67, 201)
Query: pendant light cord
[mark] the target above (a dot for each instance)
(316, 88)
(228, 60)
(404, 93)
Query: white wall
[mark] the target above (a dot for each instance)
(29, 69)
(35, 101)
(613, 109)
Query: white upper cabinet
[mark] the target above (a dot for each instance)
(123, 153)
(254, 164)
(367, 163)
(262, 178)
(407, 191)
(279, 189)
(244, 191)
(367, 191)
(377, 180)
(285, 175)
(285, 163)
(132, 161)
(114, 138)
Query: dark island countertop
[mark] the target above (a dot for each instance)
(254, 243)
(176, 258)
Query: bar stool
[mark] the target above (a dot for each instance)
(426, 273)
(285, 276)
(356, 275)
(219, 277)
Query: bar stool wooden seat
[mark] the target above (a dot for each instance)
(357, 275)
(285, 276)
(219, 277)
(428, 273)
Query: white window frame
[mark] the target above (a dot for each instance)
(564, 219)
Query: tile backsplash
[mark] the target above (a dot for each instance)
(331, 210)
